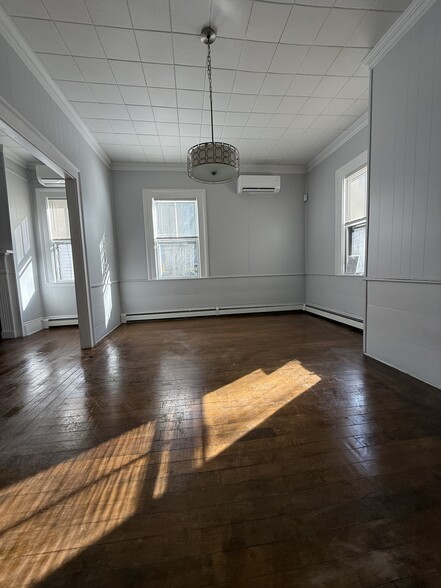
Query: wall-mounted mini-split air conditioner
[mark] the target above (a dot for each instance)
(258, 184)
(48, 178)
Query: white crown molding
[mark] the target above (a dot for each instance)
(18, 43)
(14, 157)
(357, 126)
(404, 23)
(179, 167)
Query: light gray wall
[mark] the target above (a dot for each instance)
(404, 252)
(5, 224)
(325, 289)
(255, 245)
(21, 210)
(20, 88)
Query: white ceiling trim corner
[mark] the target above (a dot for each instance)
(18, 43)
(176, 167)
(400, 27)
(15, 158)
(357, 126)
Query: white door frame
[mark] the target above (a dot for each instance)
(14, 125)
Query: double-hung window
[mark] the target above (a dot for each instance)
(175, 233)
(351, 203)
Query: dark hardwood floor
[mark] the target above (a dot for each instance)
(253, 451)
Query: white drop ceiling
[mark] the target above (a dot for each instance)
(288, 76)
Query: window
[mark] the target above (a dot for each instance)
(351, 191)
(55, 236)
(175, 234)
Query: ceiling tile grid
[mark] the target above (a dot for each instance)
(287, 76)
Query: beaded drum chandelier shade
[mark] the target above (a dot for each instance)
(212, 162)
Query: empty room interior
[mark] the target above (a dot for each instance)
(220, 293)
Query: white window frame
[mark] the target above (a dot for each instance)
(43, 225)
(148, 196)
(340, 226)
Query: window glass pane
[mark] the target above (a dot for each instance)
(178, 258)
(62, 253)
(356, 250)
(165, 218)
(356, 191)
(58, 218)
(186, 219)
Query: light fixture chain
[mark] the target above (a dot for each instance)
(210, 86)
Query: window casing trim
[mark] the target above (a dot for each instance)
(148, 195)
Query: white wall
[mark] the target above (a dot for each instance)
(255, 245)
(404, 252)
(324, 289)
(21, 213)
(21, 89)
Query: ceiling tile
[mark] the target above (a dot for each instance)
(116, 152)
(223, 80)
(303, 85)
(232, 133)
(190, 78)
(366, 4)
(108, 93)
(338, 106)
(115, 111)
(256, 56)
(189, 16)
(358, 108)
(276, 84)
(34, 9)
(149, 140)
(61, 67)
(325, 121)
(398, 5)
(330, 86)
(67, 10)
(150, 14)
(170, 141)
(267, 103)
(314, 105)
(372, 28)
(190, 98)
(188, 50)
(354, 88)
(41, 35)
(267, 21)
(304, 24)
(259, 120)
(155, 47)
(80, 39)
(226, 53)
(135, 153)
(236, 118)
(140, 112)
(218, 117)
(303, 121)
(291, 104)
(88, 109)
(118, 43)
(122, 126)
(128, 73)
(165, 114)
(231, 20)
(189, 130)
(318, 60)
(281, 120)
(189, 116)
(252, 132)
(248, 82)
(273, 133)
(241, 102)
(78, 91)
(98, 125)
(159, 76)
(111, 13)
(95, 70)
(338, 27)
(220, 101)
(347, 61)
(128, 139)
(288, 58)
(135, 95)
(106, 138)
(147, 128)
(167, 128)
(163, 97)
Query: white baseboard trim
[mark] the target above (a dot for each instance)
(33, 326)
(338, 317)
(215, 311)
(59, 321)
(9, 335)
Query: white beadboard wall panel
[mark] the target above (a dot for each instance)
(20, 88)
(403, 324)
(324, 288)
(258, 237)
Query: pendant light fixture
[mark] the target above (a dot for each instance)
(212, 162)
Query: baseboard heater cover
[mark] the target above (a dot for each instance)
(213, 311)
(59, 321)
(339, 317)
